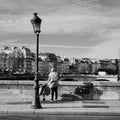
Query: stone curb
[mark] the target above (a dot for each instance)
(40, 112)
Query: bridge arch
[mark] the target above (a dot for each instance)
(100, 79)
(68, 79)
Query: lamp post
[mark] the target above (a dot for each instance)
(36, 22)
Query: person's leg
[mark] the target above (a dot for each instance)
(56, 92)
(40, 90)
(43, 97)
(52, 93)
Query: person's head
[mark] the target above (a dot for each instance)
(53, 70)
(40, 85)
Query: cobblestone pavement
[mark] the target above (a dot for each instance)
(17, 103)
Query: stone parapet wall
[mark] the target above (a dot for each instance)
(102, 90)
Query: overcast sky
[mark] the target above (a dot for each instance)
(74, 28)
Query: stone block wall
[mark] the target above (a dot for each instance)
(102, 90)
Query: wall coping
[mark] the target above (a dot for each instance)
(63, 83)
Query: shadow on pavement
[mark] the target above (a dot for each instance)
(95, 106)
(42, 102)
(94, 102)
(20, 102)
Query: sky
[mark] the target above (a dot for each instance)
(71, 28)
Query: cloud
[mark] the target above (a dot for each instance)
(15, 24)
(61, 24)
(8, 42)
(62, 17)
(109, 48)
(98, 18)
(43, 45)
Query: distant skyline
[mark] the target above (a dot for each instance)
(74, 28)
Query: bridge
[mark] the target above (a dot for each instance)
(84, 78)
(110, 78)
(88, 78)
(77, 78)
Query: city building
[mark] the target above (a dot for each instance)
(63, 66)
(108, 65)
(28, 60)
(45, 67)
(18, 60)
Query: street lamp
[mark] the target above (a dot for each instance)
(36, 22)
